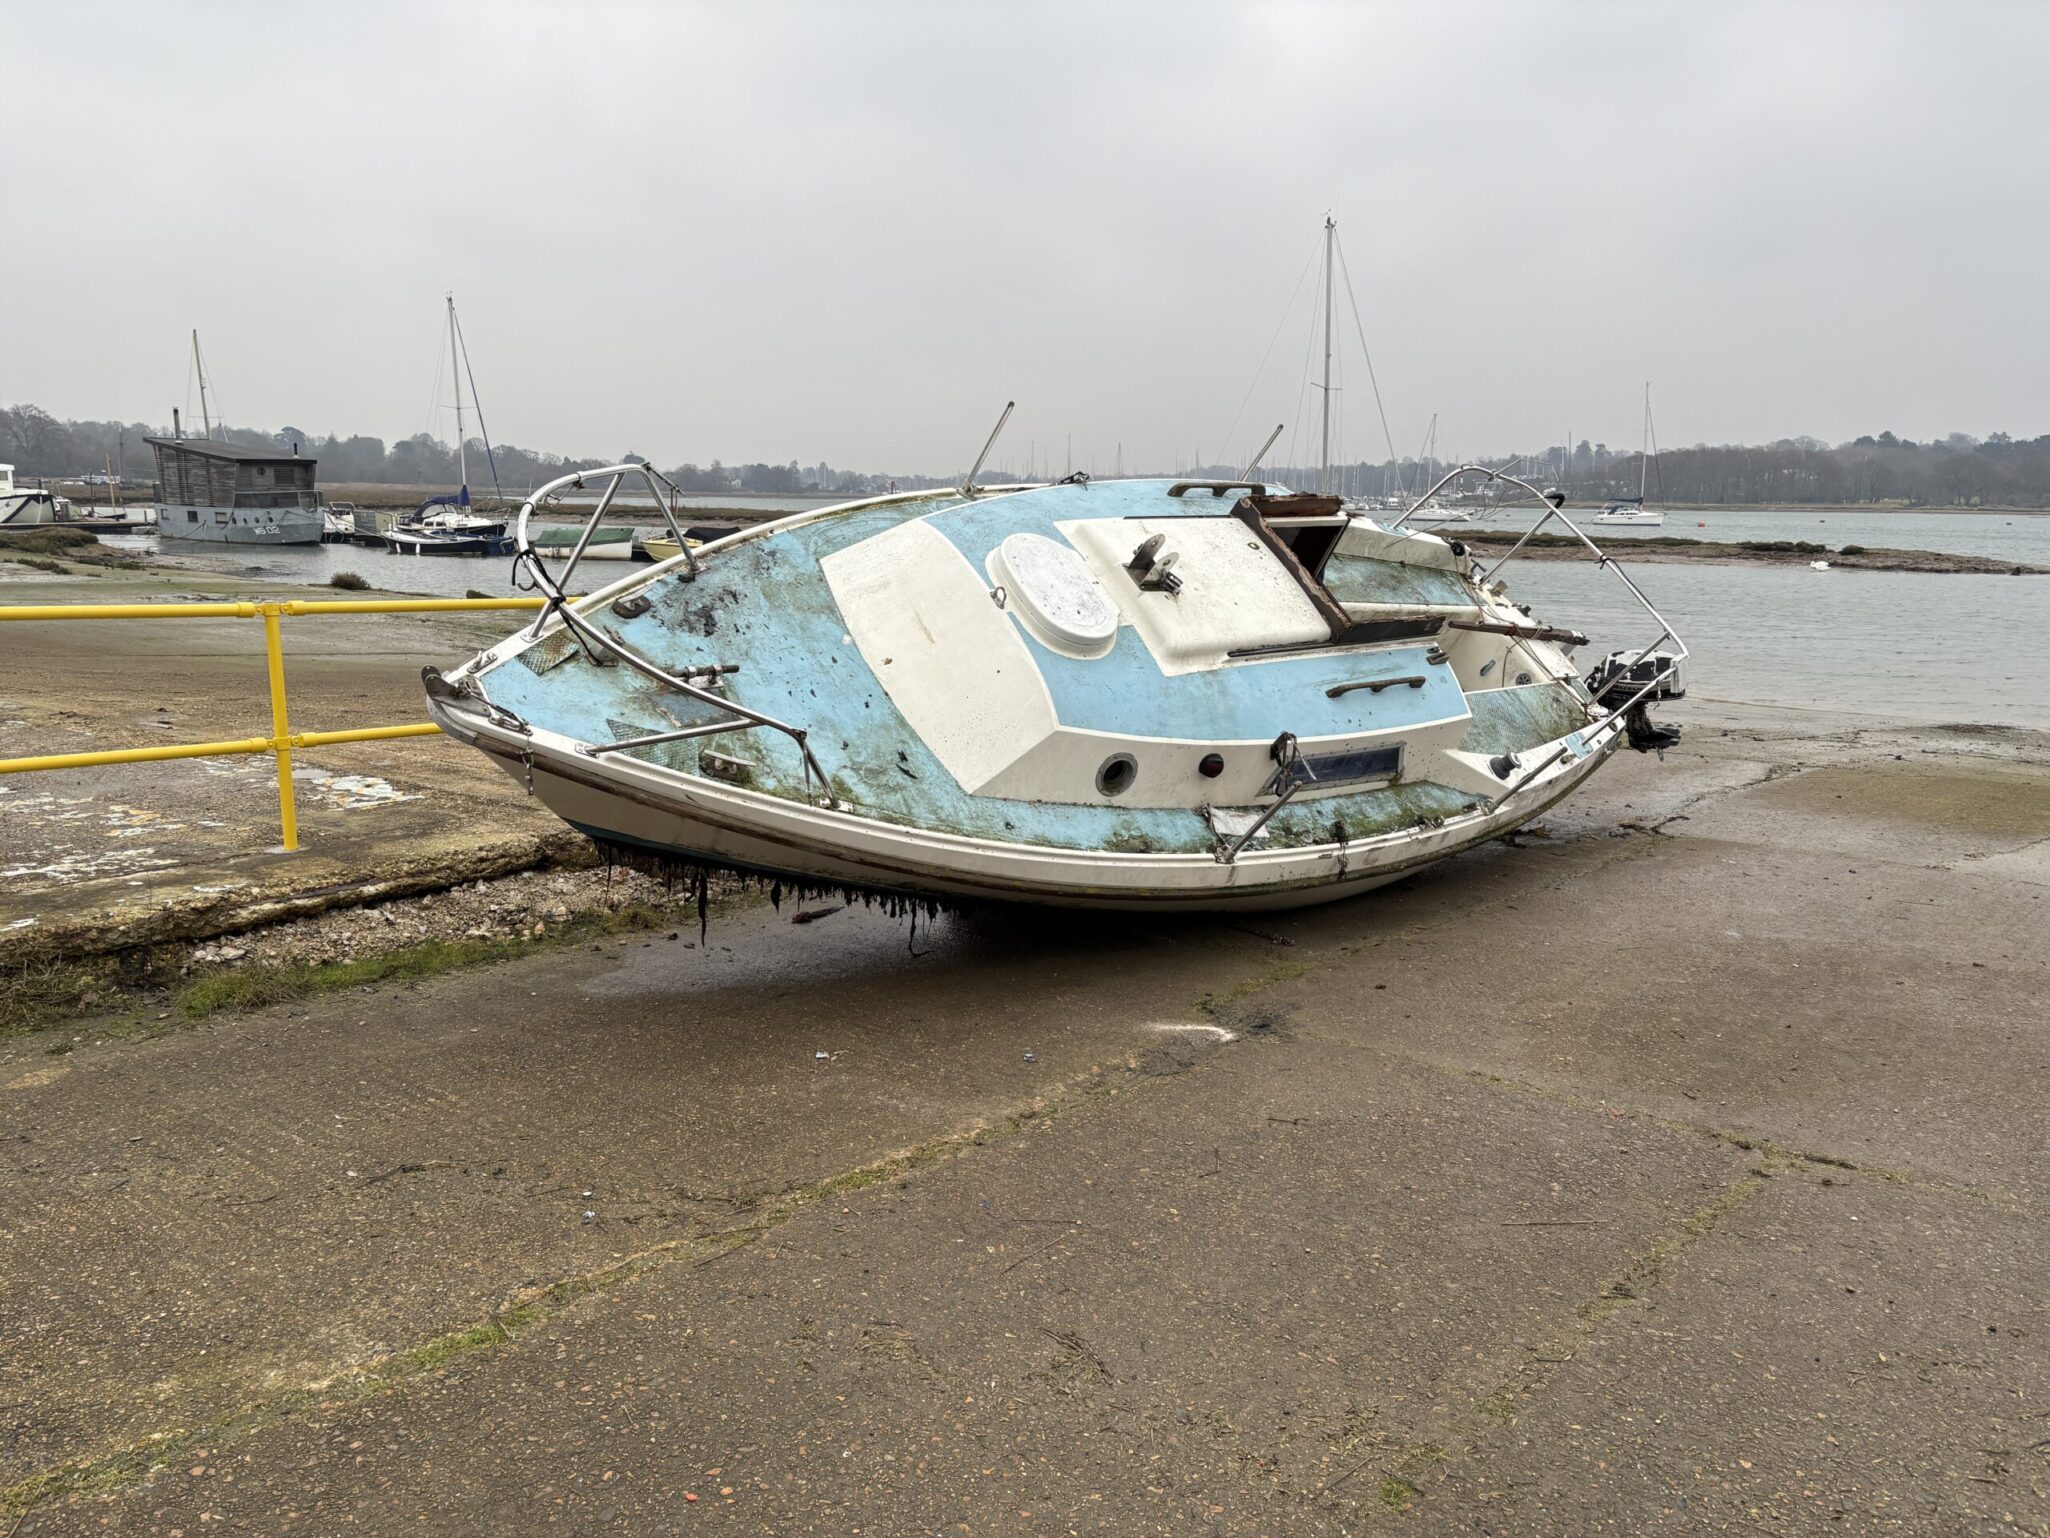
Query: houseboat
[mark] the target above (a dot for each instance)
(236, 494)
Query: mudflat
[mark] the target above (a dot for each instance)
(1492, 544)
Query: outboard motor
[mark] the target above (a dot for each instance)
(1622, 674)
(1647, 735)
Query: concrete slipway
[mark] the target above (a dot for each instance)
(1680, 1172)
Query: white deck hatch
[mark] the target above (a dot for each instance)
(1054, 593)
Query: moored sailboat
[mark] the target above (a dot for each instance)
(1634, 510)
(444, 524)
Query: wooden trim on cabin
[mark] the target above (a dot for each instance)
(1254, 512)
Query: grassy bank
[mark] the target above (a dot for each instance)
(60, 550)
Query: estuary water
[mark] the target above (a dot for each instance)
(1918, 646)
(2020, 537)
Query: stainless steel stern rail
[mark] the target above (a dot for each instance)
(1614, 721)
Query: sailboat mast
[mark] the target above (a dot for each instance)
(455, 368)
(1644, 450)
(1330, 237)
(199, 368)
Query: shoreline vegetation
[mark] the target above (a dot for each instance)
(1958, 471)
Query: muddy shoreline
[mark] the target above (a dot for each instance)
(1669, 548)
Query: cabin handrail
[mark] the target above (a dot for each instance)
(560, 606)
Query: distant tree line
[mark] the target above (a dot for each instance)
(39, 445)
(1955, 471)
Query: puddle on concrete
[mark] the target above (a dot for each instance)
(62, 819)
(47, 807)
(349, 792)
(84, 867)
(135, 821)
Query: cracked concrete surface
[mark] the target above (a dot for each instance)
(1623, 1181)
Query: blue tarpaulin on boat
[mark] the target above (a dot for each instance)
(460, 499)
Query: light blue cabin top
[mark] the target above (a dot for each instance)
(1259, 698)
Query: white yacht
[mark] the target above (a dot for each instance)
(444, 525)
(1630, 510)
(28, 504)
(1633, 510)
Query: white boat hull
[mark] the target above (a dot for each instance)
(20, 509)
(693, 819)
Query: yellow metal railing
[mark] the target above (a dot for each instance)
(282, 739)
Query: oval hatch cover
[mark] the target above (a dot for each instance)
(1054, 592)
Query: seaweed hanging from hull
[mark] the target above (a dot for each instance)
(689, 874)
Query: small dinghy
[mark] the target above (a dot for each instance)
(604, 544)
(1137, 694)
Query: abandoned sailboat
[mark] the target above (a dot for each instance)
(1135, 694)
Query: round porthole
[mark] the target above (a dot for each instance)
(1115, 777)
(1211, 765)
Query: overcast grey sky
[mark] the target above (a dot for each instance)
(851, 232)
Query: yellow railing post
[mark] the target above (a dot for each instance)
(280, 727)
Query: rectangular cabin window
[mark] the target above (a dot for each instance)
(220, 515)
(192, 515)
(1350, 766)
